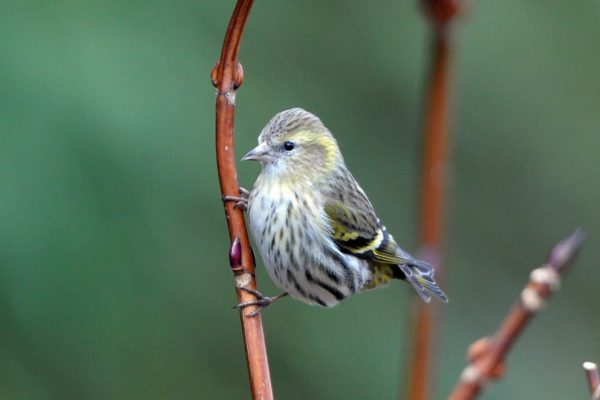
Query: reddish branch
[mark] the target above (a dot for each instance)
(486, 356)
(591, 374)
(433, 191)
(227, 77)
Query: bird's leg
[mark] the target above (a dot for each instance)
(261, 301)
(241, 201)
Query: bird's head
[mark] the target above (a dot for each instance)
(295, 143)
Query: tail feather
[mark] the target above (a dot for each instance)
(420, 275)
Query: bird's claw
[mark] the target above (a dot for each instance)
(261, 301)
(240, 201)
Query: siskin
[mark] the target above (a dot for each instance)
(317, 232)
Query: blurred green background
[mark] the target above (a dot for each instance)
(114, 281)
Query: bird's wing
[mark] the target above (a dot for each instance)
(356, 229)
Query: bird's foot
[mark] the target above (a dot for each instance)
(261, 301)
(241, 202)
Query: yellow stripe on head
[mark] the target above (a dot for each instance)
(320, 146)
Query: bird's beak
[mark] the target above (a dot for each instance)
(259, 153)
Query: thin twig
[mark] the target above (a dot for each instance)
(227, 77)
(591, 373)
(487, 355)
(433, 191)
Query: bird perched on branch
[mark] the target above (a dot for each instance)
(317, 232)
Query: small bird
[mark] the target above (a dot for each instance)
(317, 231)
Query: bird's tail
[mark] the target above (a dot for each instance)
(420, 275)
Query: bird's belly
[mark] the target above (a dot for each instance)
(297, 251)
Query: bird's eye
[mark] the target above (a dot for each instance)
(288, 146)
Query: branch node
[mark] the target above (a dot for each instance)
(546, 275)
(214, 75)
(471, 374)
(230, 96)
(481, 349)
(532, 300)
(478, 349)
(243, 280)
(238, 76)
(235, 255)
(590, 366)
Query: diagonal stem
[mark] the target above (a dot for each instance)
(487, 355)
(227, 76)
